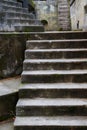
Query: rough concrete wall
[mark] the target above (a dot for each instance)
(48, 11)
(78, 14)
(12, 48)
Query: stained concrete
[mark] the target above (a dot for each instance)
(8, 97)
(6, 125)
(9, 85)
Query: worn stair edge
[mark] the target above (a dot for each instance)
(45, 44)
(52, 123)
(54, 64)
(55, 53)
(51, 107)
(54, 76)
(53, 90)
(58, 35)
(30, 28)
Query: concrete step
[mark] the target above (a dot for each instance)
(51, 123)
(55, 53)
(54, 76)
(11, 3)
(53, 90)
(8, 98)
(13, 8)
(25, 21)
(56, 44)
(58, 35)
(55, 64)
(29, 28)
(13, 14)
(51, 107)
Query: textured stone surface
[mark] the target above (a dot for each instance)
(52, 88)
(58, 64)
(64, 15)
(58, 35)
(54, 76)
(51, 107)
(55, 44)
(11, 57)
(52, 123)
(56, 53)
(12, 48)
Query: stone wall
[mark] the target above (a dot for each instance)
(78, 15)
(47, 10)
(56, 12)
(12, 47)
(15, 17)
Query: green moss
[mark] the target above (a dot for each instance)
(32, 3)
(60, 29)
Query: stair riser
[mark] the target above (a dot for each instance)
(56, 35)
(55, 55)
(55, 78)
(53, 93)
(55, 66)
(56, 45)
(32, 28)
(50, 127)
(10, 3)
(51, 110)
(6, 8)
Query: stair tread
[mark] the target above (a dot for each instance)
(54, 72)
(52, 121)
(59, 32)
(54, 86)
(55, 60)
(61, 40)
(55, 50)
(52, 102)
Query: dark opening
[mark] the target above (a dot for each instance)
(44, 22)
(78, 24)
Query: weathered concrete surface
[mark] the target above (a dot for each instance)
(79, 15)
(8, 125)
(8, 97)
(12, 46)
(9, 85)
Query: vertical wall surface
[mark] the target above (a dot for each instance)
(64, 21)
(79, 15)
(47, 10)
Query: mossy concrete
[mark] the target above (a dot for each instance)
(12, 47)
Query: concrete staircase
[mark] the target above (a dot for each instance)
(64, 15)
(14, 17)
(53, 95)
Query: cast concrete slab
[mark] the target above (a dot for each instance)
(54, 86)
(52, 102)
(10, 85)
(54, 72)
(55, 60)
(52, 121)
